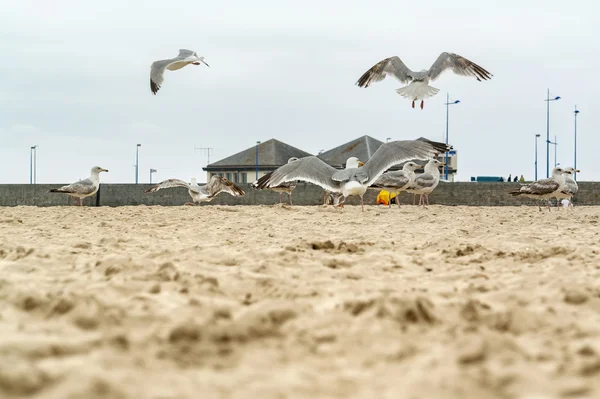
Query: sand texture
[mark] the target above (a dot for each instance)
(302, 302)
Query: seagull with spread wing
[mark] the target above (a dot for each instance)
(157, 70)
(419, 88)
(82, 188)
(286, 187)
(204, 193)
(355, 179)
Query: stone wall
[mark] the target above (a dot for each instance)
(461, 193)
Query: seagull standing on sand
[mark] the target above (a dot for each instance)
(419, 88)
(82, 188)
(397, 181)
(204, 193)
(571, 186)
(286, 187)
(184, 58)
(544, 188)
(427, 181)
(353, 180)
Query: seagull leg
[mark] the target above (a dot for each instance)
(414, 198)
(422, 104)
(397, 201)
(280, 198)
(79, 199)
(427, 198)
(413, 104)
(290, 194)
(362, 205)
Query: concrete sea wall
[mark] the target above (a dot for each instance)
(460, 193)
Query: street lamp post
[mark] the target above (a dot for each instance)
(448, 103)
(548, 99)
(152, 171)
(257, 143)
(537, 136)
(575, 144)
(555, 143)
(137, 162)
(33, 164)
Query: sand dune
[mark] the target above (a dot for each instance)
(307, 302)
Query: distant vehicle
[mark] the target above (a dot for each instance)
(487, 179)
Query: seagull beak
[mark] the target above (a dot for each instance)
(104, 170)
(577, 171)
(205, 63)
(360, 163)
(442, 164)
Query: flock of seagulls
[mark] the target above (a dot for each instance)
(357, 176)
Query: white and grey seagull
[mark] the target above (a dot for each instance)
(419, 88)
(204, 193)
(353, 180)
(286, 187)
(82, 188)
(571, 186)
(426, 182)
(544, 188)
(396, 181)
(157, 69)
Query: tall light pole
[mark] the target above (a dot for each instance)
(548, 99)
(257, 143)
(387, 140)
(152, 171)
(448, 103)
(137, 161)
(33, 164)
(575, 145)
(537, 136)
(555, 143)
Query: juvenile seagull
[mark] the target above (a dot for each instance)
(544, 188)
(427, 181)
(82, 188)
(157, 69)
(204, 193)
(286, 187)
(571, 186)
(353, 180)
(419, 88)
(397, 181)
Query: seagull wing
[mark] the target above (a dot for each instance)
(85, 186)
(540, 187)
(392, 66)
(395, 152)
(217, 184)
(459, 65)
(397, 179)
(157, 70)
(310, 169)
(169, 183)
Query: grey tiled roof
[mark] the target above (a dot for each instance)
(363, 148)
(270, 153)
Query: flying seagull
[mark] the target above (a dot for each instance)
(571, 186)
(544, 188)
(286, 187)
(419, 88)
(353, 180)
(157, 69)
(204, 193)
(397, 181)
(82, 188)
(427, 181)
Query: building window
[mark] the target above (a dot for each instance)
(235, 178)
(244, 177)
(229, 177)
(221, 174)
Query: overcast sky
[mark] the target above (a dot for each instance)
(76, 82)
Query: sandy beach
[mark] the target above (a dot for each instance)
(301, 302)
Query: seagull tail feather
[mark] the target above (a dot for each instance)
(417, 91)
